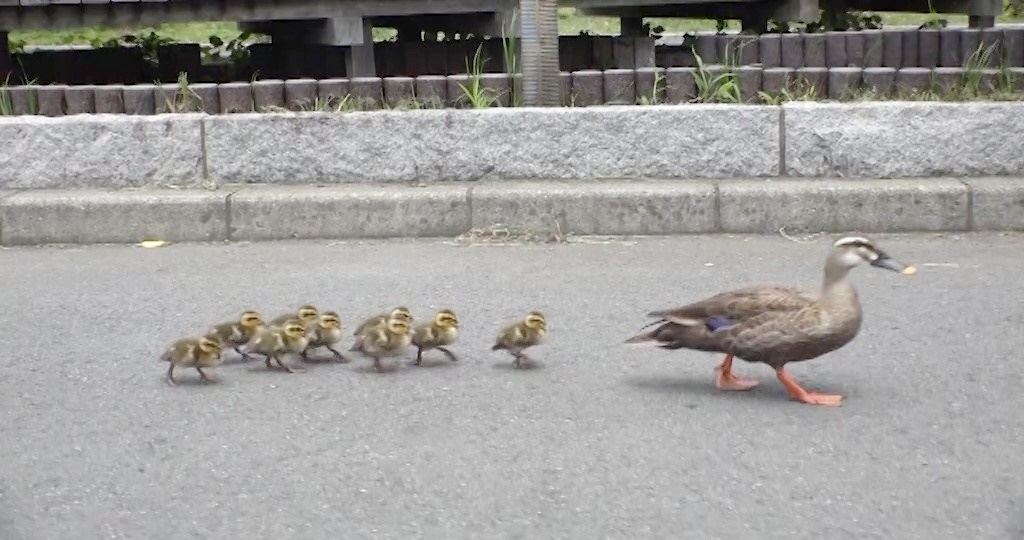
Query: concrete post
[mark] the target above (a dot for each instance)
(359, 60)
(6, 65)
(981, 21)
(632, 27)
(539, 30)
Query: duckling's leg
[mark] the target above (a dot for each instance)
(282, 364)
(518, 362)
(337, 355)
(727, 381)
(798, 393)
(245, 355)
(376, 364)
(203, 376)
(419, 356)
(448, 353)
(170, 375)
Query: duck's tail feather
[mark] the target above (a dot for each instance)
(645, 338)
(671, 335)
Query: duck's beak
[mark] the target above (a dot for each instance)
(887, 262)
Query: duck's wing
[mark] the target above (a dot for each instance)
(732, 307)
(780, 334)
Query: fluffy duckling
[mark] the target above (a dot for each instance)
(391, 339)
(204, 352)
(380, 320)
(443, 330)
(522, 335)
(308, 314)
(276, 341)
(238, 333)
(326, 332)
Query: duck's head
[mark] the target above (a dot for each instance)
(401, 313)
(398, 326)
(294, 329)
(536, 321)
(210, 345)
(446, 318)
(854, 250)
(251, 319)
(330, 319)
(308, 313)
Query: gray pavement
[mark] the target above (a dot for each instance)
(601, 440)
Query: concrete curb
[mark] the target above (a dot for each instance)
(635, 207)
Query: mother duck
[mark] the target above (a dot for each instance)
(773, 324)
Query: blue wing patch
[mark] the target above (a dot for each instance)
(717, 322)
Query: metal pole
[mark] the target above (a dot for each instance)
(539, 31)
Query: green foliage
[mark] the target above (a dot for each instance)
(474, 93)
(509, 48)
(653, 31)
(1015, 8)
(6, 108)
(332, 105)
(16, 46)
(184, 99)
(934, 21)
(724, 88)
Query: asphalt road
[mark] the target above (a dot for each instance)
(600, 440)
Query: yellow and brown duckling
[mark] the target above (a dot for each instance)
(325, 333)
(400, 312)
(276, 341)
(199, 353)
(391, 339)
(437, 334)
(308, 314)
(238, 333)
(522, 335)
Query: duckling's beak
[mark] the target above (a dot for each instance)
(887, 262)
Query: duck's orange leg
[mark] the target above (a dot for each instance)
(800, 394)
(725, 380)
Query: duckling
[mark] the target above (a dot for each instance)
(275, 341)
(326, 332)
(517, 337)
(199, 353)
(238, 333)
(389, 340)
(400, 312)
(443, 330)
(307, 314)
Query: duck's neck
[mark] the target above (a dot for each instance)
(837, 289)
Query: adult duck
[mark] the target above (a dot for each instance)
(773, 324)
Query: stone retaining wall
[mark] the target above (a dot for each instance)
(886, 139)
